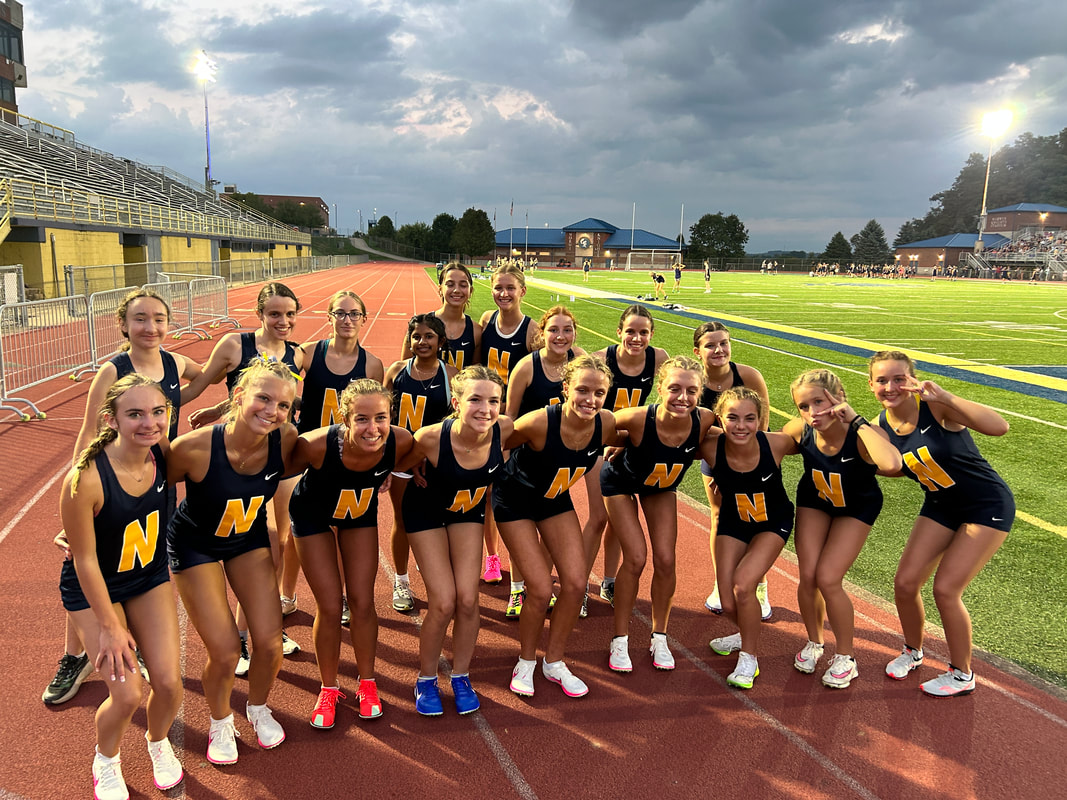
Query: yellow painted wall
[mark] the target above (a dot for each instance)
(33, 256)
(181, 248)
(80, 248)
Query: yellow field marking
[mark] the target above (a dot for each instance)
(1040, 343)
(1037, 522)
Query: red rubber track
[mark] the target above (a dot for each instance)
(673, 734)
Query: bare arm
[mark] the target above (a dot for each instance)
(952, 408)
(102, 381)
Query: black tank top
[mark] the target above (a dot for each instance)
(708, 396)
(418, 403)
(249, 353)
(541, 392)
(461, 351)
(630, 391)
(756, 496)
(501, 353)
(320, 401)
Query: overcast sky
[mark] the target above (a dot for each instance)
(803, 117)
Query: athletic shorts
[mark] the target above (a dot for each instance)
(121, 588)
(866, 509)
(422, 509)
(512, 502)
(614, 482)
(996, 510)
(746, 532)
(308, 523)
(185, 552)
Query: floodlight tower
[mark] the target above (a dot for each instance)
(204, 69)
(993, 125)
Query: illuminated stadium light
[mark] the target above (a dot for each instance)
(204, 69)
(994, 124)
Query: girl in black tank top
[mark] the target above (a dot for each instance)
(537, 381)
(456, 287)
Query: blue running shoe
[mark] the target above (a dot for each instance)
(428, 698)
(466, 700)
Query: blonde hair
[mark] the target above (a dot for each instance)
(362, 387)
(461, 381)
(890, 355)
(260, 367)
(105, 434)
(555, 311)
(337, 296)
(586, 361)
(737, 394)
(510, 269)
(822, 378)
(687, 363)
(124, 308)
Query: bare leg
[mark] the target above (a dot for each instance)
(250, 576)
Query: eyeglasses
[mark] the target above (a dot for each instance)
(355, 316)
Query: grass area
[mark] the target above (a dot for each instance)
(1019, 602)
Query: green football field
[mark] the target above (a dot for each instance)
(1002, 344)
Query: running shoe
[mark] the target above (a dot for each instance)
(808, 657)
(370, 707)
(551, 603)
(289, 647)
(466, 699)
(515, 604)
(402, 599)
(346, 612)
(725, 645)
(661, 654)
(522, 678)
(713, 603)
(607, 590)
(619, 655)
(764, 604)
(73, 670)
(108, 783)
(492, 569)
(166, 768)
(268, 731)
(558, 673)
(428, 697)
(243, 660)
(583, 612)
(949, 684)
(141, 666)
(909, 659)
(222, 741)
(841, 672)
(745, 672)
(326, 707)
(288, 605)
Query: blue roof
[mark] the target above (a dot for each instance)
(618, 238)
(966, 240)
(592, 225)
(1039, 207)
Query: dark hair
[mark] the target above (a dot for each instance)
(124, 307)
(637, 310)
(434, 323)
(274, 289)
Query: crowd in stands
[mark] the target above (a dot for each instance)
(1053, 243)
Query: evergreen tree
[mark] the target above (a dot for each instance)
(443, 226)
(474, 234)
(384, 228)
(838, 250)
(870, 246)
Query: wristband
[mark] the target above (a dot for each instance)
(858, 422)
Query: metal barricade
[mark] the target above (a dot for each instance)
(12, 284)
(210, 304)
(39, 341)
(105, 336)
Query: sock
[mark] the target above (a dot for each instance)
(427, 677)
(456, 675)
(228, 718)
(243, 635)
(656, 633)
(401, 579)
(527, 661)
(517, 586)
(608, 581)
(252, 709)
(623, 636)
(106, 759)
(916, 652)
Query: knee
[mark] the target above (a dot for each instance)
(224, 654)
(126, 697)
(664, 565)
(906, 585)
(467, 605)
(946, 593)
(807, 580)
(635, 563)
(828, 584)
(538, 592)
(573, 585)
(329, 612)
(443, 606)
(167, 687)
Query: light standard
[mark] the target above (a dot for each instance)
(1043, 216)
(336, 229)
(360, 212)
(993, 125)
(204, 69)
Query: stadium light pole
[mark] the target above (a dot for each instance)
(993, 125)
(360, 212)
(204, 69)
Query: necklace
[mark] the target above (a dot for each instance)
(129, 472)
(553, 371)
(424, 383)
(246, 455)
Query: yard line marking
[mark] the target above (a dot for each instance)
(31, 502)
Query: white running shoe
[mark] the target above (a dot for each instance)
(288, 605)
(661, 653)
(243, 660)
(108, 783)
(402, 598)
(949, 684)
(166, 768)
(522, 678)
(619, 655)
(899, 667)
(745, 672)
(222, 741)
(841, 672)
(557, 672)
(808, 657)
(268, 731)
(764, 604)
(725, 645)
(713, 603)
(289, 647)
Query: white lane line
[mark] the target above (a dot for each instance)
(31, 502)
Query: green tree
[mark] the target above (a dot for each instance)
(870, 245)
(474, 234)
(910, 231)
(838, 250)
(717, 236)
(443, 227)
(253, 201)
(416, 234)
(384, 228)
(299, 214)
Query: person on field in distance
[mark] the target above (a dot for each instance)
(116, 589)
(966, 515)
(507, 336)
(838, 500)
(711, 344)
(633, 364)
(556, 445)
(444, 520)
(422, 395)
(335, 522)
